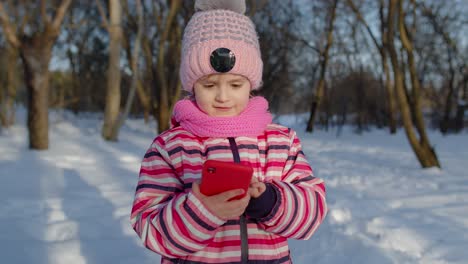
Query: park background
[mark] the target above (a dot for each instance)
(378, 91)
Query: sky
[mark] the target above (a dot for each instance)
(71, 203)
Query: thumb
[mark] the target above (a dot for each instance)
(196, 189)
(195, 185)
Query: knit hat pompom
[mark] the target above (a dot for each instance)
(237, 6)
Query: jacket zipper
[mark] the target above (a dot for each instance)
(243, 221)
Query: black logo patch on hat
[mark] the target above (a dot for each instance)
(222, 60)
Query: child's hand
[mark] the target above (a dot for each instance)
(220, 205)
(256, 188)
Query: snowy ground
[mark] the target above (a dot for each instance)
(70, 204)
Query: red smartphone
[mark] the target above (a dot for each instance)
(221, 176)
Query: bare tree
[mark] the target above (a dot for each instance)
(161, 46)
(80, 24)
(421, 147)
(274, 24)
(112, 110)
(35, 49)
(381, 47)
(170, 34)
(134, 66)
(455, 61)
(9, 90)
(324, 56)
(133, 25)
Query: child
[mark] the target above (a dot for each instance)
(221, 65)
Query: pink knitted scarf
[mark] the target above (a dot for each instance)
(251, 122)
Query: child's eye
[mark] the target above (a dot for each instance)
(208, 85)
(236, 85)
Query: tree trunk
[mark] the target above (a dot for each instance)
(8, 112)
(452, 56)
(445, 124)
(428, 153)
(315, 106)
(112, 110)
(392, 107)
(459, 117)
(75, 86)
(35, 53)
(164, 107)
(149, 97)
(145, 101)
(134, 65)
(360, 104)
(316, 103)
(462, 105)
(382, 47)
(36, 57)
(424, 152)
(141, 93)
(175, 83)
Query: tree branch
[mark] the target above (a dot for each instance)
(62, 10)
(105, 21)
(8, 28)
(45, 18)
(364, 22)
(134, 64)
(158, 17)
(23, 24)
(170, 18)
(405, 40)
(427, 11)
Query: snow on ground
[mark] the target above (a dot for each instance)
(70, 204)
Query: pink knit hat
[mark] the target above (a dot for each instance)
(219, 38)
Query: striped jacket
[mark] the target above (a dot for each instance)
(171, 221)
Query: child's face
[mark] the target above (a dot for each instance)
(222, 94)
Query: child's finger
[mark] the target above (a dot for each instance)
(196, 190)
(253, 180)
(259, 186)
(226, 196)
(256, 189)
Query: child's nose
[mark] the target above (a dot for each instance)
(222, 95)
